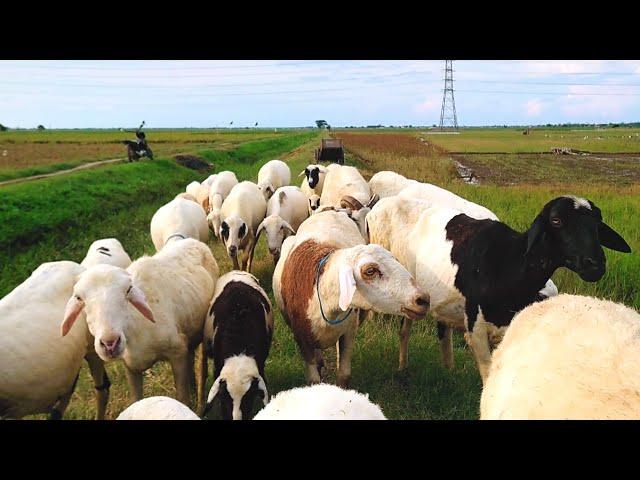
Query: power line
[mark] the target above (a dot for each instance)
(552, 93)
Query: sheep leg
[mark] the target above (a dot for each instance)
(319, 360)
(63, 402)
(344, 350)
(251, 250)
(445, 335)
(478, 340)
(135, 384)
(101, 382)
(180, 367)
(201, 377)
(312, 366)
(405, 332)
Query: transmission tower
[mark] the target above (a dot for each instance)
(448, 113)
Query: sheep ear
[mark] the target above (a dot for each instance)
(535, 232)
(138, 300)
(303, 172)
(322, 169)
(611, 239)
(259, 231)
(263, 386)
(71, 313)
(215, 388)
(373, 200)
(205, 204)
(347, 286)
(288, 227)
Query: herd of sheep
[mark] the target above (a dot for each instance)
(343, 247)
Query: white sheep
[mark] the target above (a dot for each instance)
(106, 250)
(286, 210)
(186, 196)
(387, 183)
(436, 196)
(39, 368)
(209, 180)
(342, 181)
(320, 402)
(314, 202)
(394, 223)
(177, 220)
(193, 188)
(326, 270)
(157, 408)
(273, 175)
(568, 357)
(240, 215)
(218, 192)
(154, 310)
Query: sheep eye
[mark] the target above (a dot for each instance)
(371, 271)
(242, 231)
(78, 298)
(556, 222)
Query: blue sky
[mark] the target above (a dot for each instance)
(101, 94)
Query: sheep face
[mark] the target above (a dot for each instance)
(312, 172)
(104, 293)
(374, 280)
(233, 232)
(572, 232)
(237, 387)
(276, 230)
(267, 189)
(314, 203)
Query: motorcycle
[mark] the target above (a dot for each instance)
(138, 149)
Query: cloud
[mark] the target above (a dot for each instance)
(533, 107)
(431, 104)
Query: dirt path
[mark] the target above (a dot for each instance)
(84, 166)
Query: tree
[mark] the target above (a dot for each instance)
(3, 128)
(40, 127)
(322, 123)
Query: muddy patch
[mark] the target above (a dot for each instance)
(193, 162)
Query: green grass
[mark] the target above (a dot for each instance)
(510, 140)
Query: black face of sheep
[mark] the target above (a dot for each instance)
(313, 176)
(571, 230)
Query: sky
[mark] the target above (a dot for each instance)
(206, 94)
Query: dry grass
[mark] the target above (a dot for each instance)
(402, 153)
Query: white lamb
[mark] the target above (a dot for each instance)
(158, 408)
(320, 402)
(193, 188)
(218, 192)
(273, 175)
(286, 210)
(154, 310)
(342, 181)
(177, 220)
(106, 250)
(240, 216)
(387, 183)
(568, 357)
(39, 368)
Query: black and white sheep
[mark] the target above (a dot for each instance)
(237, 334)
(480, 273)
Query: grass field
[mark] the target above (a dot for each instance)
(28, 152)
(121, 201)
(510, 140)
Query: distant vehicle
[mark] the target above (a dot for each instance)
(138, 149)
(331, 150)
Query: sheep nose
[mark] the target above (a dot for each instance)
(233, 250)
(422, 301)
(110, 344)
